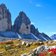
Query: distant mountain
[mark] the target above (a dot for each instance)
(53, 37)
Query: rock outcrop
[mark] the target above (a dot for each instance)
(34, 30)
(5, 18)
(22, 24)
(41, 36)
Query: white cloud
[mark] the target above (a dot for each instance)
(38, 5)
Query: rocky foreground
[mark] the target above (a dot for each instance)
(24, 48)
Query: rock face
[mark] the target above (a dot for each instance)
(46, 36)
(5, 18)
(41, 36)
(22, 24)
(34, 30)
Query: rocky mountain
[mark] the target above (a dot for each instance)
(5, 18)
(22, 23)
(22, 27)
(53, 37)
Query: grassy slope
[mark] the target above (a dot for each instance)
(15, 48)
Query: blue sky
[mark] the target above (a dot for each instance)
(42, 13)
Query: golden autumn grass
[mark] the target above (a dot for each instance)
(15, 47)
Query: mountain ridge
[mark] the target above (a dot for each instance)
(22, 25)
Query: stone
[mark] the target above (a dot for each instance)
(23, 43)
(24, 54)
(27, 45)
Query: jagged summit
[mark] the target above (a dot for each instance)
(3, 6)
(5, 18)
(24, 18)
(22, 23)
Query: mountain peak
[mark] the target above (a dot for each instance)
(24, 18)
(22, 21)
(22, 13)
(3, 6)
(5, 18)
